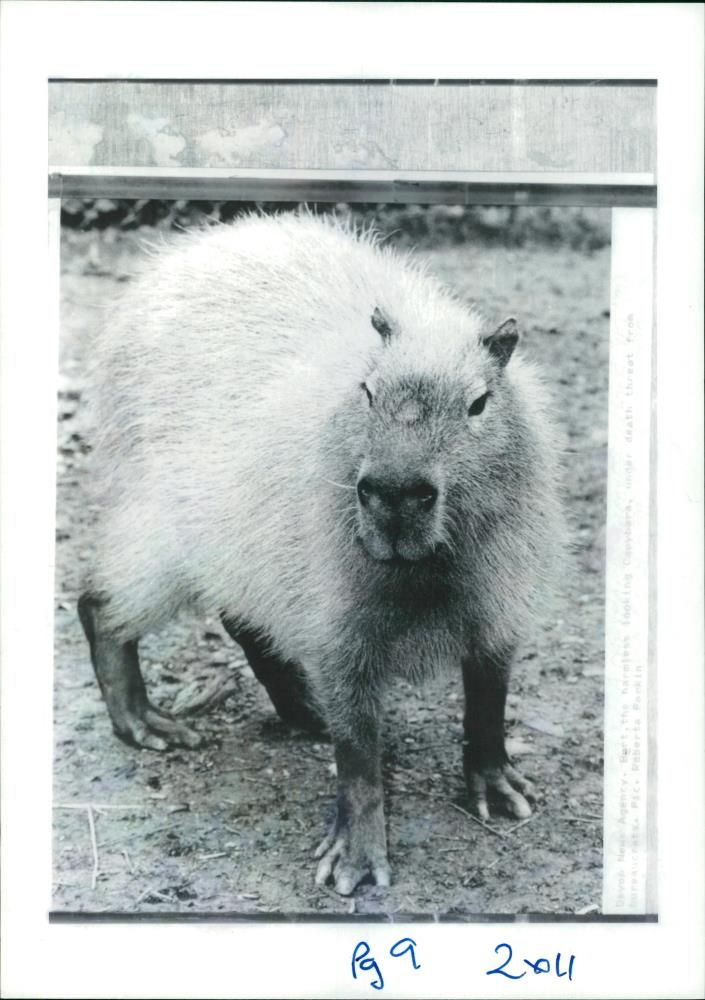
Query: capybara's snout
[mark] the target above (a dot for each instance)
(404, 499)
(399, 516)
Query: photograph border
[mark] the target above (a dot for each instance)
(558, 188)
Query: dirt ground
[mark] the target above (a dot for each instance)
(232, 827)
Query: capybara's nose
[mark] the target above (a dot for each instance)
(409, 497)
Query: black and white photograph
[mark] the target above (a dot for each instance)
(331, 528)
(341, 475)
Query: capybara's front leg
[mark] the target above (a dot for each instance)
(356, 845)
(117, 668)
(488, 772)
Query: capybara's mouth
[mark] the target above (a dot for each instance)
(389, 556)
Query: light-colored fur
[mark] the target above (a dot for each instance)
(232, 428)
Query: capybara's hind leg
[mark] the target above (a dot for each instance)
(285, 681)
(117, 668)
(489, 774)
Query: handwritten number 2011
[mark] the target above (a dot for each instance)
(404, 946)
(539, 965)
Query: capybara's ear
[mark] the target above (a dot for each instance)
(502, 342)
(382, 324)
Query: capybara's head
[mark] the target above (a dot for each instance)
(434, 428)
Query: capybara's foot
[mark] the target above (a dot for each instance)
(153, 729)
(303, 715)
(502, 784)
(349, 853)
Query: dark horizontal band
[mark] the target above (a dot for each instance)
(190, 916)
(366, 81)
(392, 190)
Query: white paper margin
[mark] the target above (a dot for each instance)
(521, 41)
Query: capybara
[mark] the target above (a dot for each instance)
(301, 430)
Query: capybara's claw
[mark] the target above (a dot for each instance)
(327, 853)
(503, 784)
(336, 863)
(347, 861)
(152, 729)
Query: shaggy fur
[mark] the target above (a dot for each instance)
(233, 428)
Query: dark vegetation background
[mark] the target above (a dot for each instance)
(232, 827)
(410, 225)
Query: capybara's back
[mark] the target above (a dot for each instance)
(301, 430)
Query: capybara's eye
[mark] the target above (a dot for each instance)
(363, 385)
(478, 406)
